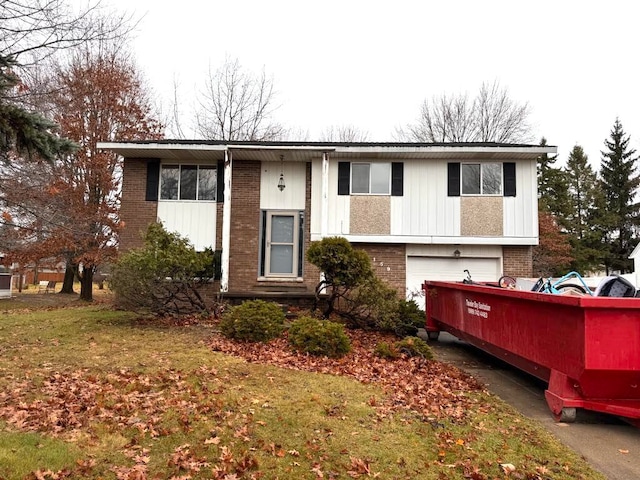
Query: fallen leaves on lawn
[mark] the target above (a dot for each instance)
(429, 387)
(69, 404)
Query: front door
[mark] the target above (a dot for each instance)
(282, 243)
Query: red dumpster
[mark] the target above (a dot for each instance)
(586, 348)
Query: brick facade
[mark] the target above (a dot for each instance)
(245, 237)
(389, 260)
(517, 261)
(136, 212)
(245, 225)
(389, 263)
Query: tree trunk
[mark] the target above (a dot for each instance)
(86, 284)
(69, 276)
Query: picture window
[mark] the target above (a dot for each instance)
(188, 182)
(371, 178)
(481, 178)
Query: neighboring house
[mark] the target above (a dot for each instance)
(421, 211)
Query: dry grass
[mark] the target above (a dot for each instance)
(90, 392)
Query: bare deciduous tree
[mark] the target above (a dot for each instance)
(343, 133)
(32, 30)
(492, 116)
(237, 105)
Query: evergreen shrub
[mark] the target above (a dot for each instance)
(319, 337)
(253, 321)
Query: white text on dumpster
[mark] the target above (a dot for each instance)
(478, 309)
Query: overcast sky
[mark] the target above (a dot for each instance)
(371, 63)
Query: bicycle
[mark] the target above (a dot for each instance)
(558, 287)
(504, 281)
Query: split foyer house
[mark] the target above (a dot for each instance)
(421, 211)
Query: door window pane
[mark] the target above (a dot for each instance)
(281, 259)
(282, 229)
(169, 182)
(207, 183)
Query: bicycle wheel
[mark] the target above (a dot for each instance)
(507, 282)
(571, 288)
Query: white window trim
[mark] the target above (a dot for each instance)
(351, 182)
(481, 194)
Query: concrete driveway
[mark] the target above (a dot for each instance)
(608, 444)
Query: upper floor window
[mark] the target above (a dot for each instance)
(188, 182)
(372, 178)
(481, 178)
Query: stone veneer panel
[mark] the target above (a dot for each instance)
(481, 217)
(370, 215)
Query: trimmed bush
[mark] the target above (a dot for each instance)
(319, 337)
(414, 347)
(386, 350)
(253, 321)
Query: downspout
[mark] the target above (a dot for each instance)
(226, 222)
(324, 200)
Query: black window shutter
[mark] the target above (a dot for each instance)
(509, 177)
(344, 177)
(153, 180)
(300, 243)
(220, 182)
(453, 179)
(397, 179)
(263, 241)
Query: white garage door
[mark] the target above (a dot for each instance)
(420, 269)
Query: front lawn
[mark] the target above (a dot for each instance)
(88, 392)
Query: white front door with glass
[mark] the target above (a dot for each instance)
(282, 244)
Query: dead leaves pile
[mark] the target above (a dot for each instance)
(430, 388)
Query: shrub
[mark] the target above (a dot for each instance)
(319, 337)
(410, 318)
(414, 347)
(386, 350)
(164, 277)
(374, 305)
(253, 321)
(344, 268)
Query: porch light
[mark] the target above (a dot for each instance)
(281, 185)
(456, 253)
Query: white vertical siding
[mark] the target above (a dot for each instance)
(520, 213)
(425, 209)
(293, 196)
(316, 196)
(339, 205)
(195, 220)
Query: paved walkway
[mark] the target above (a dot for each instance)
(608, 444)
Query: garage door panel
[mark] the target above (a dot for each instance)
(420, 269)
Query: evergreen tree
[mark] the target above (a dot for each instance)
(582, 192)
(620, 182)
(552, 255)
(21, 131)
(552, 186)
